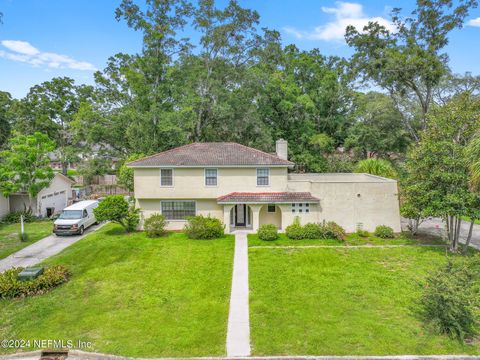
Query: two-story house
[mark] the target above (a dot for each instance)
(246, 187)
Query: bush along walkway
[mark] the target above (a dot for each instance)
(238, 332)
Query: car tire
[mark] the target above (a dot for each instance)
(80, 232)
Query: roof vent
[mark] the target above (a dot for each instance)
(282, 149)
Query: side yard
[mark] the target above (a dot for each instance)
(351, 301)
(134, 296)
(9, 236)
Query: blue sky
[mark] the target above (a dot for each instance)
(41, 39)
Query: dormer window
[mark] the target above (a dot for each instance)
(263, 177)
(166, 177)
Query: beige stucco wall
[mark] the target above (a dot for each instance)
(4, 206)
(205, 207)
(352, 204)
(271, 218)
(189, 183)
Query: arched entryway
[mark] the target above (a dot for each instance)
(271, 214)
(241, 217)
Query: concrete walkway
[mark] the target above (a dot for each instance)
(42, 249)
(238, 332)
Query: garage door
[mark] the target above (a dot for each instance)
(53, 203)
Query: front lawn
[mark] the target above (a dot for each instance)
(133, 296)
(9, 236)
(352, 239)
(351, 301)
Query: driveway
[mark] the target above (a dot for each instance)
(42, 249)
(436, 227)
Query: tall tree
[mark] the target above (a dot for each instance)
(378, 130)
(438, 176)
(409, 61)
(50, 108)
(305, 97)
(5, 117)
(215, 82)
(152, 127)
(25, 165)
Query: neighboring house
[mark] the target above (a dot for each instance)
(246, 188)
(49, 201)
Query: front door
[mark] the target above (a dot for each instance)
(240, 215)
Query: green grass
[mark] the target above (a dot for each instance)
(9, 236)
(357, 301)
(352, 239)
(133, 296)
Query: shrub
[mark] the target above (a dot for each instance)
(11, 287)
(204, 227)
(451, 298)
(362, 233)
(294, 231)
(14, 217)
(132, 220)
(268, 232)
(155, 225)
(313, 231)
(334, 231)
(384, 232)
(116, 208)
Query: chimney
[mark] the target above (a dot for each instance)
(282, 149)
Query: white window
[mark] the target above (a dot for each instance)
(263, 177)
(178, 210)
(211, 177)
(166, 177)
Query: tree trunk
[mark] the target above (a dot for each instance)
(469, 237)
(64, 167)
(413, 225)
(30, 203)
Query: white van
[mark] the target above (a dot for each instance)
(74, 219)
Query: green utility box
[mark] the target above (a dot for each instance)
(30, 273)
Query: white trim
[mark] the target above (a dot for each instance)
(263, 203)
(173, 177)
(256, 177)
(205, 177)
(176, 200)
(211, 166)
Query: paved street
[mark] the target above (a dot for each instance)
(42, 249)
(436, 227)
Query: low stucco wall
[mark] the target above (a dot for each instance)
(355, 204)
(4, 206)
(21, 203)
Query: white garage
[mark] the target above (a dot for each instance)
(49, 201)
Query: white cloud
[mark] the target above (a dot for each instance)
(21, 47)
(23, 51)
(345, 14)
(474, 22)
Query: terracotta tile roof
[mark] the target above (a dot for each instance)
(267, 197)
(211, 154)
